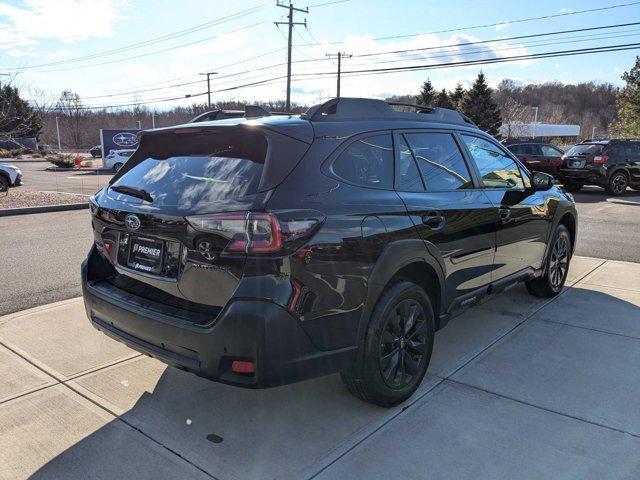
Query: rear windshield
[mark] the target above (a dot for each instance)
(592, 148)
(203, 170)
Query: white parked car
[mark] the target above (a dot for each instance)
(117, 158)
(10, 176)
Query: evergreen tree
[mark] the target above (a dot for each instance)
(17, 117)
(427, 94)
(457, 95)
(628, 103)
(480, 107)
(443, 100)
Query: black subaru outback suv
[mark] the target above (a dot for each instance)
(611, 164)
(263, 251)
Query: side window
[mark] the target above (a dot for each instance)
(549, 151)
(440, 161)
(496, 168)
(367, 162)
(407, 176)
(516, 149)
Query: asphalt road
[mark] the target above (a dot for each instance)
(40, 258)
(37, 177)
(41, 253)
(608, 227)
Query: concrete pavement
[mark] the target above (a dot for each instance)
(518, 387)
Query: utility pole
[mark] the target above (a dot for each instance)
(339, 56)
(58, 131)
(153, 119)
(208, 74)
(139, 125)
(290, 23)
(535, 121)
(593, 133)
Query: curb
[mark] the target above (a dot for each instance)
(10, 212)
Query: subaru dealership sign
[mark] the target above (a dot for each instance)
(112, 139)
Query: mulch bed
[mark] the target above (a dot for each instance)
(17, 198)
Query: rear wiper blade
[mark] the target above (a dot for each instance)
(134, 192)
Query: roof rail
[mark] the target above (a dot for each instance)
(338, 109)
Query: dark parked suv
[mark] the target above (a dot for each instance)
(611, 164)
(262, 251)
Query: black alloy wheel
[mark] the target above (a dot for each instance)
(618, 183)
(551, 282)
(403, 343)
(559, 262)
(394, 355)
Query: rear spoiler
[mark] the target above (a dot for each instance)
(175, 141)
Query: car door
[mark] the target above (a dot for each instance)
(632, 158)
(525, 216)
(551, 159)
(456, 220)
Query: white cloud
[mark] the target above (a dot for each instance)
(64, 20)
(62, 54)
(502, 26)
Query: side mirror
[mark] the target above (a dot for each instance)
(541, 181)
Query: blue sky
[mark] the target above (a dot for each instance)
(36, 33)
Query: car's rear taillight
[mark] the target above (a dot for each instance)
(255, 232)
(600, 159)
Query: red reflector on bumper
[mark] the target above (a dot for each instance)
(243, 367)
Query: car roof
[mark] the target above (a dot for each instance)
(340, 117)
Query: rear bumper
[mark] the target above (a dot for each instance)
(583, 175)
(247, 330)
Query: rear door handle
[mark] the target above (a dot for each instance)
(434, 220)
(505, 213)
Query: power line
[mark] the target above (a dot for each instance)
(506, 22)
(155, 52)
(441, 48)
(162, 38)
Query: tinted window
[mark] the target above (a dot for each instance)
(209, 168)
(587, 148)
(440, 161)
(367, 162)
(497, 169)
(407, 175)
(549, 151)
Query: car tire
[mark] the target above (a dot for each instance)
(556, 266)
(617, 183)
(117, 166)
(4, 184)
(396, 350)
(573, 187)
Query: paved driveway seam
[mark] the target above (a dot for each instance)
(447, 378)
(591, 329)
(550, 410)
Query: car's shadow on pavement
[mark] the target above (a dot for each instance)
(598, 195)
(185, 425)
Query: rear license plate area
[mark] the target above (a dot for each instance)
(145, 254)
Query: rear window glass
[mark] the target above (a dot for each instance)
(586, 148)
(206, 170)
(367, 162)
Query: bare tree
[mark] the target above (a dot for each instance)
(70, 108)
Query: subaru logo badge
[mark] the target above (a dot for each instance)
(125, 139)
(132, 222)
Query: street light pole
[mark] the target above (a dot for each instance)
(535, 121)
(58, 131)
